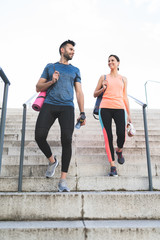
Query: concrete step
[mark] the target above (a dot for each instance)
(76, 206)
(88, 111)
(31, 120)
(127, 150)
(81, 165)
(135, 114)
(80, 230)
(80, 183)
(138, 137)
(29, 150)
(124, 183)
(83, 131)
(130, 143)
(30, 123)
(130, 168)
(82, 135)
(82, 150)
(35, 170)
(83, 158)
(82, 142)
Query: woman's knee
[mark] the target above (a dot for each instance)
(121, 140)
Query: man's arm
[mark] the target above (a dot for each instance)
(80, 100)
(80, 96)
(43, 85)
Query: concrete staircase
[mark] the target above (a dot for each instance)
(98, 206)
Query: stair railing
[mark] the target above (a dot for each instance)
(146, 140)
(23, 142)
(3, 113)
(145, 86)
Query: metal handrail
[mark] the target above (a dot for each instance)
(3, 113)
(145, 86)
(144, 105)
(23, 142)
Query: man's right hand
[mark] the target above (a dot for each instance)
(55, 76)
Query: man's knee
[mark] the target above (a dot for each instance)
(40, 134)
(66, 137)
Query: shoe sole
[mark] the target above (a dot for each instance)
(112, 175)
(63, 190)
(53, 172)
(121, 162)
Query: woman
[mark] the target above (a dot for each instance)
(114, 105)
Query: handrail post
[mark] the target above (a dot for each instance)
(145, 86)
(146, 141)
(22, 149)
(147, 148)
(3, 120)
(23, 143)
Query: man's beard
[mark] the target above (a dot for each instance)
(67, 57)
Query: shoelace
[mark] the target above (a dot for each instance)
(119, 154)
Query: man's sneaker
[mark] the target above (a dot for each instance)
(113, 172)
(120, 158)
(62, 186)
(51, 168)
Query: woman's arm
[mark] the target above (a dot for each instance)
(125, 97)
(101, 87)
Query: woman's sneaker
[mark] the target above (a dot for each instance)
(62, 186)
(113, 172)
(120, 158)
(51, 168)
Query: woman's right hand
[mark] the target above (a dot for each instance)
(101, 86)
(104, 84)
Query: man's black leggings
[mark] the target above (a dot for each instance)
(47, 116)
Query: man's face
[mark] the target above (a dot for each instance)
(68, 52)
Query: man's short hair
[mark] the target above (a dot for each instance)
(65, 43)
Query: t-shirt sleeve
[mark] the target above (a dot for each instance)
(45, 73)
(78, 76)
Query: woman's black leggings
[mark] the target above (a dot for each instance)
(47, 116)
(119, 116)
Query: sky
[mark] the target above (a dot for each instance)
(31, 32)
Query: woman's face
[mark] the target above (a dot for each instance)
(113, 63)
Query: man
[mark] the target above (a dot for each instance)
(58, 80)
